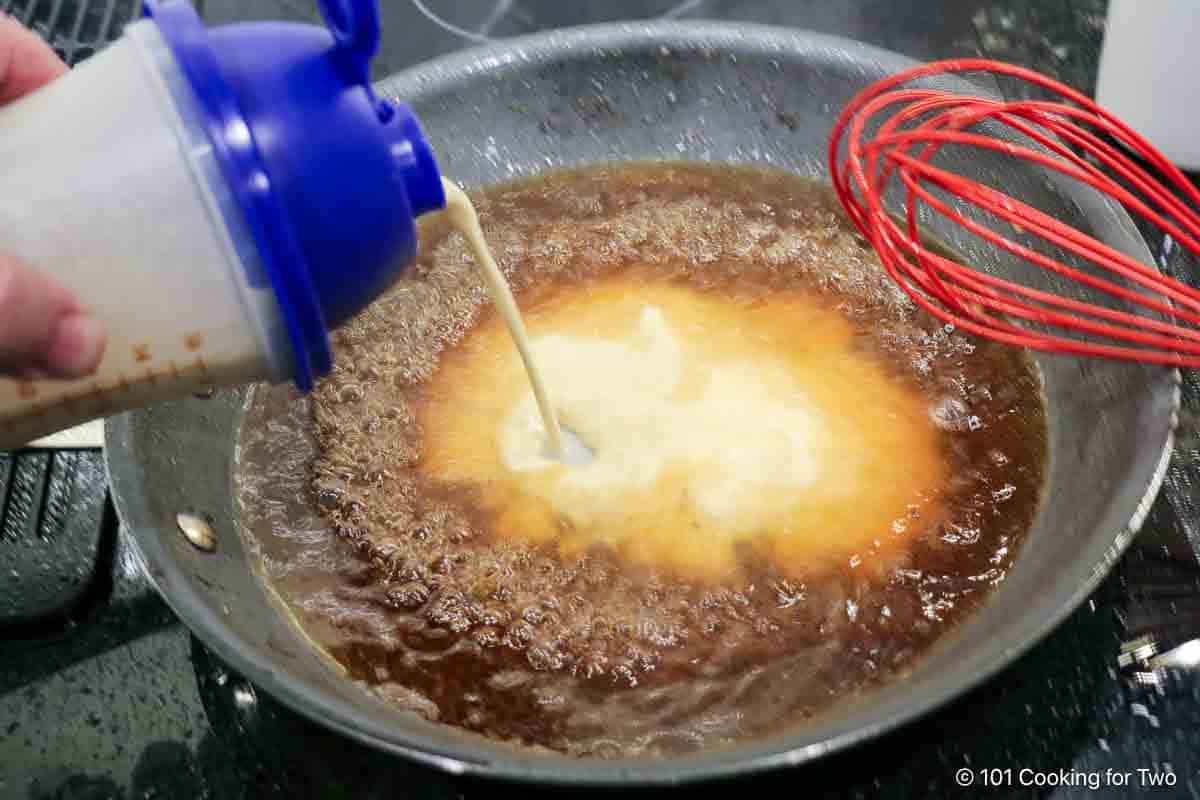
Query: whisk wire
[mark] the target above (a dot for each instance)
(980, 289)
(1017, 213)
(1075, 139)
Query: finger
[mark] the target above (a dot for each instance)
(26, 62)
(42, 327)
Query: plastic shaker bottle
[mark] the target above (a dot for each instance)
(218, 198)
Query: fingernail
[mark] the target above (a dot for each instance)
(77, 348)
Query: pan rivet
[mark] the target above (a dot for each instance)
(197, 531)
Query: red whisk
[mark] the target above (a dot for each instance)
(917, 123)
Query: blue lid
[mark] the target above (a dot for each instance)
(330, 177)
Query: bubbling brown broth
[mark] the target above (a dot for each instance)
(410, 582)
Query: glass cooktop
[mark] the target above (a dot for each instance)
(104, 694)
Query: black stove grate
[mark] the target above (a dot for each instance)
(54, 518)
(76, 28)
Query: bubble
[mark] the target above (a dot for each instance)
(788, 594)
(509, 679)
(950, 414)
(1004, 493)
(351, 393)
(543, 658)
(409, 596)
(449, 610)
(487, 636)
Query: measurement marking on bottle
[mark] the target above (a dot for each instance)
(96, 398)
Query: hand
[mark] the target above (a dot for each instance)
(44, 331)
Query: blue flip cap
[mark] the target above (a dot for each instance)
(330, 177)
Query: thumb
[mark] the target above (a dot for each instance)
(26, 62)
(43, 330)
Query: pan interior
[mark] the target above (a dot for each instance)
(799, 483)
(717, 93)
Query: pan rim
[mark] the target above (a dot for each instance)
(496, 761)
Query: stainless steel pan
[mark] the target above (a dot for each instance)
(663, 90)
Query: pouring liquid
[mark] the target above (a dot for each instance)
(461, 215)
